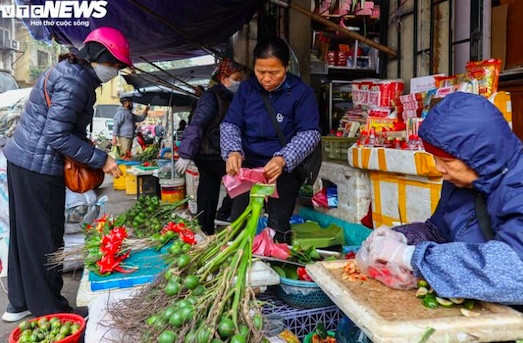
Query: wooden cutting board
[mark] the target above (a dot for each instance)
(388, 316)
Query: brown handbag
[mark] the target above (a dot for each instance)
(78, 177)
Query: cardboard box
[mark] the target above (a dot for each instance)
(401, 199)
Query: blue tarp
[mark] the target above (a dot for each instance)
(210, 22)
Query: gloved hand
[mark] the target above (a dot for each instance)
(385, 231)
(181, 165)
(388, 249)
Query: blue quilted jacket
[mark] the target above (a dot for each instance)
(454, 256)
(45, 135)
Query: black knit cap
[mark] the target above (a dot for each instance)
(96, 52)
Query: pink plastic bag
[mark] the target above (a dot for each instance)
(264, 245)
(244, 181)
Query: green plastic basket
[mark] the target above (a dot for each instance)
(303, 294)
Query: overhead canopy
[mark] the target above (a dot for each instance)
(159, 29)
(158, 96)
(190, 75)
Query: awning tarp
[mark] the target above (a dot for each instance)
(158, 96)
(192, 75)
(209, 22)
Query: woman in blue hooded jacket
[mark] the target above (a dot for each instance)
(472, 246)
(49, 131)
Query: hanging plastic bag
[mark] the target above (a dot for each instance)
(244, 180)
(388, 273)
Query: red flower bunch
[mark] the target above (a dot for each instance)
(111, 250)
(182, 230)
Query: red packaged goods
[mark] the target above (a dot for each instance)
(445, 81)
(400, 87)
(379, 112)
(366, 85)
(412, 105)
(331, 57)
(342, 58)
(374, 95)
(411, 97)
(487, 74)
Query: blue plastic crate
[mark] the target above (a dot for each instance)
(298, 320)
(302, 293)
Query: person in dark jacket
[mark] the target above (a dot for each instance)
(201, 141)
(35, 168)
(125, 125)
(472, 246)
(249, 138)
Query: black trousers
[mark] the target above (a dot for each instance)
(36, 220)
(279, 210)
(208, 194)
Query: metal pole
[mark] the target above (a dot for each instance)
(398, 28)
(173, 143)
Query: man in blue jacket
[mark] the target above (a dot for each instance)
(125, 125)
(472, 246)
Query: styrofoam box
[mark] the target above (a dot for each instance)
(354, 191)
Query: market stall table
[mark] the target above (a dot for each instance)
(261, 276)
(389, 315)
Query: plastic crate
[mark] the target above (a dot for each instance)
(301, 321)
(335, 149)
(119, 183)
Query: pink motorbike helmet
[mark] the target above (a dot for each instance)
(115, 42)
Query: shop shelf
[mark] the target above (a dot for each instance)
(335, 149)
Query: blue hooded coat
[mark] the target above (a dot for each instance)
(46, 134)
(456, 259)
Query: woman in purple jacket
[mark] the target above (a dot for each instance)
(201, 141)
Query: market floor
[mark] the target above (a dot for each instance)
(118, 202)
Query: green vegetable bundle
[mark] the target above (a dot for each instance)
(149, 154)
(204, 295)
(148, 216)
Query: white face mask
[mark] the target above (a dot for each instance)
(105, 73)
(234, 86)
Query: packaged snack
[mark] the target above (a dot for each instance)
(444, 81)
(486, 73)
(331, 57)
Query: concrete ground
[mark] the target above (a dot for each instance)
(118, 202)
